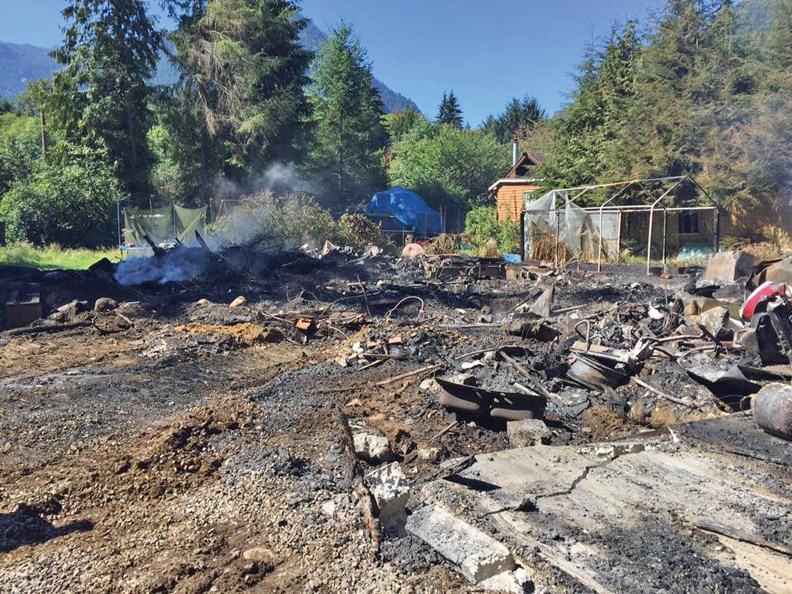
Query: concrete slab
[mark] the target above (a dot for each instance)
(476, 555)
(639, 517)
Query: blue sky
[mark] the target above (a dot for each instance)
(485, 51)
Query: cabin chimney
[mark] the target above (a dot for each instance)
(515, 151)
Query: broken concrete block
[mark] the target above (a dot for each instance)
(238, 302)
(476, 555)
(527, 432)
(729, 266)
(518, 581)
(390, 489)
(373, 448)
(429, 454)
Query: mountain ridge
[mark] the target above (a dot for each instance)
(21, 63)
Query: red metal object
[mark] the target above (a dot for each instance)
(764, 292)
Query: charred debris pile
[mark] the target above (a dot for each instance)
(490, 342)
(455, 356)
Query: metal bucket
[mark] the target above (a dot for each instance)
(772, 409)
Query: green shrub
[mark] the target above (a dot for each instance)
(69, 204)
(509, 237)
(481, 224)
(357, 231)
(282, 221)
(490, 237)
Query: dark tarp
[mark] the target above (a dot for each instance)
(400, 209)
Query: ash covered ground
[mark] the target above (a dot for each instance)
(163, 441)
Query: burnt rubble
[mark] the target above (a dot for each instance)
(386, 403)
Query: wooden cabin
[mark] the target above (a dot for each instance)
(510, 190)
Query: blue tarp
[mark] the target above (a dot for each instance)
(409, 209)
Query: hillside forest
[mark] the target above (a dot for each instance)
(703, 88)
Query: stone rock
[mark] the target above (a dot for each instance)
(238, 302)
(543, 307)
(261, 555)
(203, 302)
(105, 304)
(518, 581)
(476, 555)
(390, 489)
(729, 266)
(133, 309)
(373, 448)
(527, 432)
(69, 311)
(429, 454)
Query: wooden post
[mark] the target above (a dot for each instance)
(665, 234)
(717, 230)
(649, 241)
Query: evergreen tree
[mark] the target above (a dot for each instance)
(588, 131)
(517, 120)
(100, 96)
(244, 75)
(450, 113)
(349, 137)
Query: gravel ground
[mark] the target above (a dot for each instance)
(160, 457)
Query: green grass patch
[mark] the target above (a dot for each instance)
(53, 257)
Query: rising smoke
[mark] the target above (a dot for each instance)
(262, 218)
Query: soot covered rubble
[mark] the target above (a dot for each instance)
(394, 372)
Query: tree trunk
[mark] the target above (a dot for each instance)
(44, 137)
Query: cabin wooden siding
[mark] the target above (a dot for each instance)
(510, 200)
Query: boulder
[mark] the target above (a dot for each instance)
(373, 448)
(527, 432)
(729, 267)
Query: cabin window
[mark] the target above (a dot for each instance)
(688, 223)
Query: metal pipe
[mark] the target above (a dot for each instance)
(621, 183)
(602, 206)
(651, 220)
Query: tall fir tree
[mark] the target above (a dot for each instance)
(450, 113)
(244, 78)
(517, 120)
(348, 136)
(101, 95)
